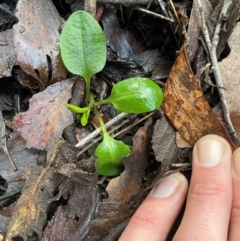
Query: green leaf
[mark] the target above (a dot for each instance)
(136, 95)
(83, 45)
(109, 155)
(76, 109)
(84, 118)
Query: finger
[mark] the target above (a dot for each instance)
(234, 233)
(210, 193)
(155, 217)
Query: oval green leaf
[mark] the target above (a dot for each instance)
(109, 155)
(83, 45)
(136, 95)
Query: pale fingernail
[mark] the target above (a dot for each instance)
(209, 152)
(167, 186)
(236, 163)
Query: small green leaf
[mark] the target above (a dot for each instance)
(76, 109)
(83, 45)
(136, 95)
(84, 118)
(109, 155)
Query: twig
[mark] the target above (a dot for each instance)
(212, 46)
(154, 14)
(217, 31)
(125, 2)
(98, 130)
(183, 30)
(178, 165)
(162, 5)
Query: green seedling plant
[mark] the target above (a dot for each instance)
(83, 50)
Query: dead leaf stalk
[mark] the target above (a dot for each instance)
(212, 46)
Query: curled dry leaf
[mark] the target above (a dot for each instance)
(43, 124)
(36, 40)
(186, 107)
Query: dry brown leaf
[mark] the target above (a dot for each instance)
(163, 142)
(186, 107)
(229, 68)
(36, 40)
(71, 221)
(42, 125)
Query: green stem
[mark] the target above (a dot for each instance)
(101, 122)
(88, 82)
(101, 102)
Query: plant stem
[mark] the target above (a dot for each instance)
(88, 82)
(104, 131)
(101, 102)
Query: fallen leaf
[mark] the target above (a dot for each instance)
(229, 68)
(42, 125)
(186, 107)
(119, 41)
(36, 41)
(71, 221)
(163, 143)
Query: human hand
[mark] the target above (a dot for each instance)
(213, 199)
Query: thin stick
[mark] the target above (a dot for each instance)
(98, 130)
(5, 150)
(212, 46)
(125, 2)
(183, 30)
(217, 31)
(154, 14)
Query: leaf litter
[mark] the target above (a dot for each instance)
(68, 183)
(42, 125)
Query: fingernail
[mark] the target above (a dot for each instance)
(209, 152)
(236, 163)
(167, 186)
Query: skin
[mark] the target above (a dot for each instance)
(213, 200)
